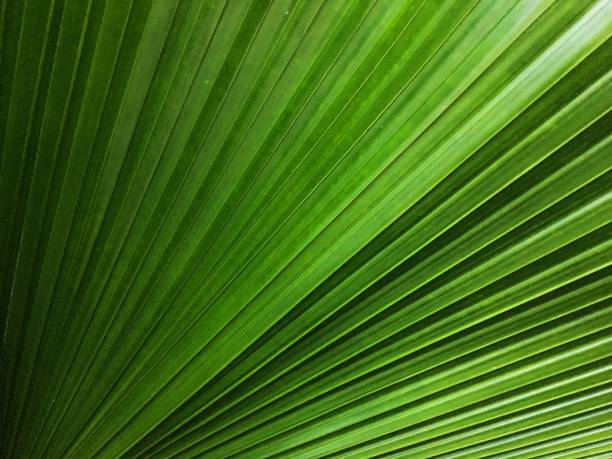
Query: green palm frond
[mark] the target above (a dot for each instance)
(306, 228)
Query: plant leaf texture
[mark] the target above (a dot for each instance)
(305, 229)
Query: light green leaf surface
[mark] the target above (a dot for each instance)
(306, 228)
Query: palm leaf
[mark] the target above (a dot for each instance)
(306, 228)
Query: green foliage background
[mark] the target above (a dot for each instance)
(306, 228)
